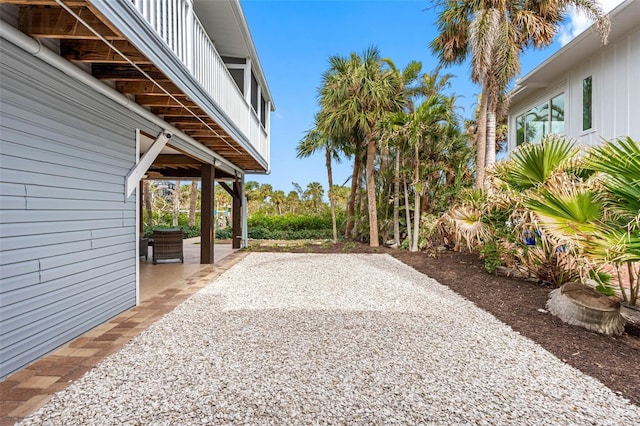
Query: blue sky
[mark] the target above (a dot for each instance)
(295, 38)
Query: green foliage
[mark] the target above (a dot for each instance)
(290, 226)
(533, 164)
(604, 282)
(493, 255)
(224, 233)
(188, 231)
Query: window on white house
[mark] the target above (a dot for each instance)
(587, 103)
(546, 118)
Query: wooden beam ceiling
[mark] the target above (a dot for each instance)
(46, 19)
(96, 51)
(55, 22)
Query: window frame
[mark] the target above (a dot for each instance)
(589, 129)
(522, 118)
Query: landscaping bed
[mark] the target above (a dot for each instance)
(521, 304)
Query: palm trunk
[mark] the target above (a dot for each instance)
(352, 197)
(371, 194)
(481, 140)
(416, 208)
(407, 211)
(193, 200)
(358, 207)
(176, 203)
(396, 201)
(634, 284)
(490, 157)
(331, 200)
(147, 202)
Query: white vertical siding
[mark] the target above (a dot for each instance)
(67, 234)
(616, 94)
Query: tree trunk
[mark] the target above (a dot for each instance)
(193, 202)
(490, 157)
(147, 202)
(358, 213)
(352, 197)
(331, 200)
(176, 203)
(416, 208)
(407, 211)
(481, 140)
(371, 194)
(396, 200)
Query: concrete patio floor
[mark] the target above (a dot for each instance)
(156, 278)
(162, 288)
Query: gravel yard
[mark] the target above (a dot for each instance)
(330, 339)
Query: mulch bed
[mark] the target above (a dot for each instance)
(615, 361)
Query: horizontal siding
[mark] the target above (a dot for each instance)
(23, 352)
(67, 234)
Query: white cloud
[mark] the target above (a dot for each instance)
(577, 22)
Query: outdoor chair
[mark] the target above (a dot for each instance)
(144, 248)
(167, 244)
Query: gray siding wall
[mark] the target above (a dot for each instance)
(67, 235)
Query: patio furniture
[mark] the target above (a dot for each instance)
(144, 248)
(167, 244)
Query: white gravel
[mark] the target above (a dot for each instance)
(332, 339)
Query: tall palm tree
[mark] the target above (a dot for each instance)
(494, 33)
(356, 93)
(314, 192)
(278, 198)
(314, 141)
(193, 202)
(426, 123)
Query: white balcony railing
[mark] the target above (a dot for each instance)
(176, 23)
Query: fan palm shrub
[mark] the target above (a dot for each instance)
(617, 167)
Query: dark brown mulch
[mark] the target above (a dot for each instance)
(615, 361)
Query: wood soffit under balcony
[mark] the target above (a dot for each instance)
(46, 19)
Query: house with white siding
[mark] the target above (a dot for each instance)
(586, 91)
(97, 95)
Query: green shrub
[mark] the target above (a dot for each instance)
(224, 233)
(188, 231)
(290, 227)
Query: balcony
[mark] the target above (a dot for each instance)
(161, 54)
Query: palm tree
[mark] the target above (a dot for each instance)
(293, 201)
(618, 163)
(427, 123)
(176, 203)
(312, 142)
(147, 195)
(314, 192)
(278, 198)
(193, 202)
(494, 33)
(355, 94)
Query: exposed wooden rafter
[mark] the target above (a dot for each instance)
(55, 22)
(96, 51)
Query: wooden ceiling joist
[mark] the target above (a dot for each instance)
(146, 87)
(176, 160)
(177, 112)
(55, 22)
(164, 101)
(127, 73)
(98, 51)
(69, 3)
